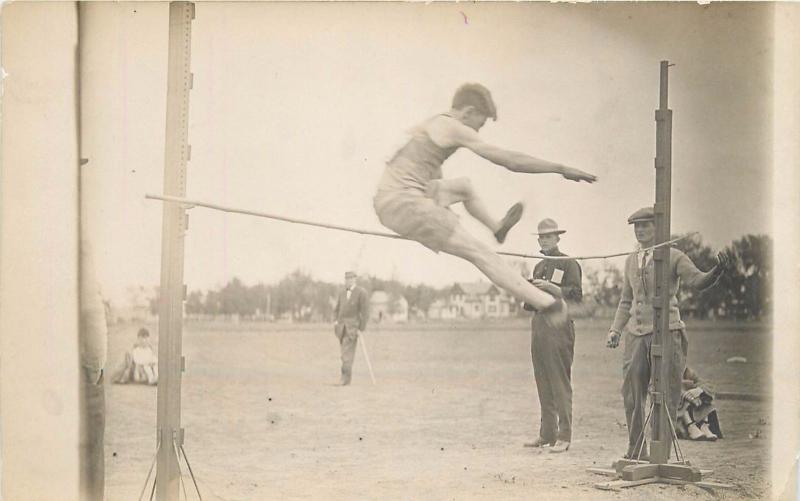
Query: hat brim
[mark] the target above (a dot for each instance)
(554, 232)
(641, 220)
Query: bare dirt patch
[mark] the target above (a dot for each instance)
(453, 405)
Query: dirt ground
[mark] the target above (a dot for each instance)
(447, 419)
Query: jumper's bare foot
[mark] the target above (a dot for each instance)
(511, 218)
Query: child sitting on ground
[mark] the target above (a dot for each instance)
(141, 362)
(697, 417)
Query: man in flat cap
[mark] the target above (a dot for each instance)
(635, 311)
(351, 314)
(553, 347)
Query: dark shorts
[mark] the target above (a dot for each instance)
(415, 216)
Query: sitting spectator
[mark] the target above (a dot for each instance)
(697, 417)
(141, 362)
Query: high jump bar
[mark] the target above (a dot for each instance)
(190, 203)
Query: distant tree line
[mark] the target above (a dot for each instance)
(743, 293)
(297, 296)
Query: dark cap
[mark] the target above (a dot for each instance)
(350, 274)
(643, 214)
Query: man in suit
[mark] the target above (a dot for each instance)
(351, 314)
(635, 314)
(553, 347)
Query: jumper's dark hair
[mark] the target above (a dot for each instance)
(475, 94)
(143, 333)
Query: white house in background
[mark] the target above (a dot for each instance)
(473, 300)
(136, 307)
(442, 309)
(387, 307)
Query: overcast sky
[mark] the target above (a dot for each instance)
(295, 109)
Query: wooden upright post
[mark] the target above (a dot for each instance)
(663, 347)
(659, 470)
(171, 295)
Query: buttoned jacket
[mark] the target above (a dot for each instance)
(565, 273)
(354, 312)
(635, 308)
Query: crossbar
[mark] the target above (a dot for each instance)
(189, 203)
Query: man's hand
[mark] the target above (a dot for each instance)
(95, 376)
(693, 396)
(612, 341)
(725, 262)
(577, 175)
(546, 286)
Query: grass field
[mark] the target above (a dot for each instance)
(453, 405)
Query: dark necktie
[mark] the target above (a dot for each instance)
(643, 272)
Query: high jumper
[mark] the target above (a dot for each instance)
(413, 200)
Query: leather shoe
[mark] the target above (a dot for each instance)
(540, 442)
(511, 218)
(560, 446)
(707, 433)
(694, 432)
(644, 456)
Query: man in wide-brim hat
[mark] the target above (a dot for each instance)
(553, 347)
(635, 315)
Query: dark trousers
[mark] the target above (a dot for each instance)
(348, 339)
(92, 428)
(552, 352)
(636, 369)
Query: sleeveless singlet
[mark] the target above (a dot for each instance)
(415, 164)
